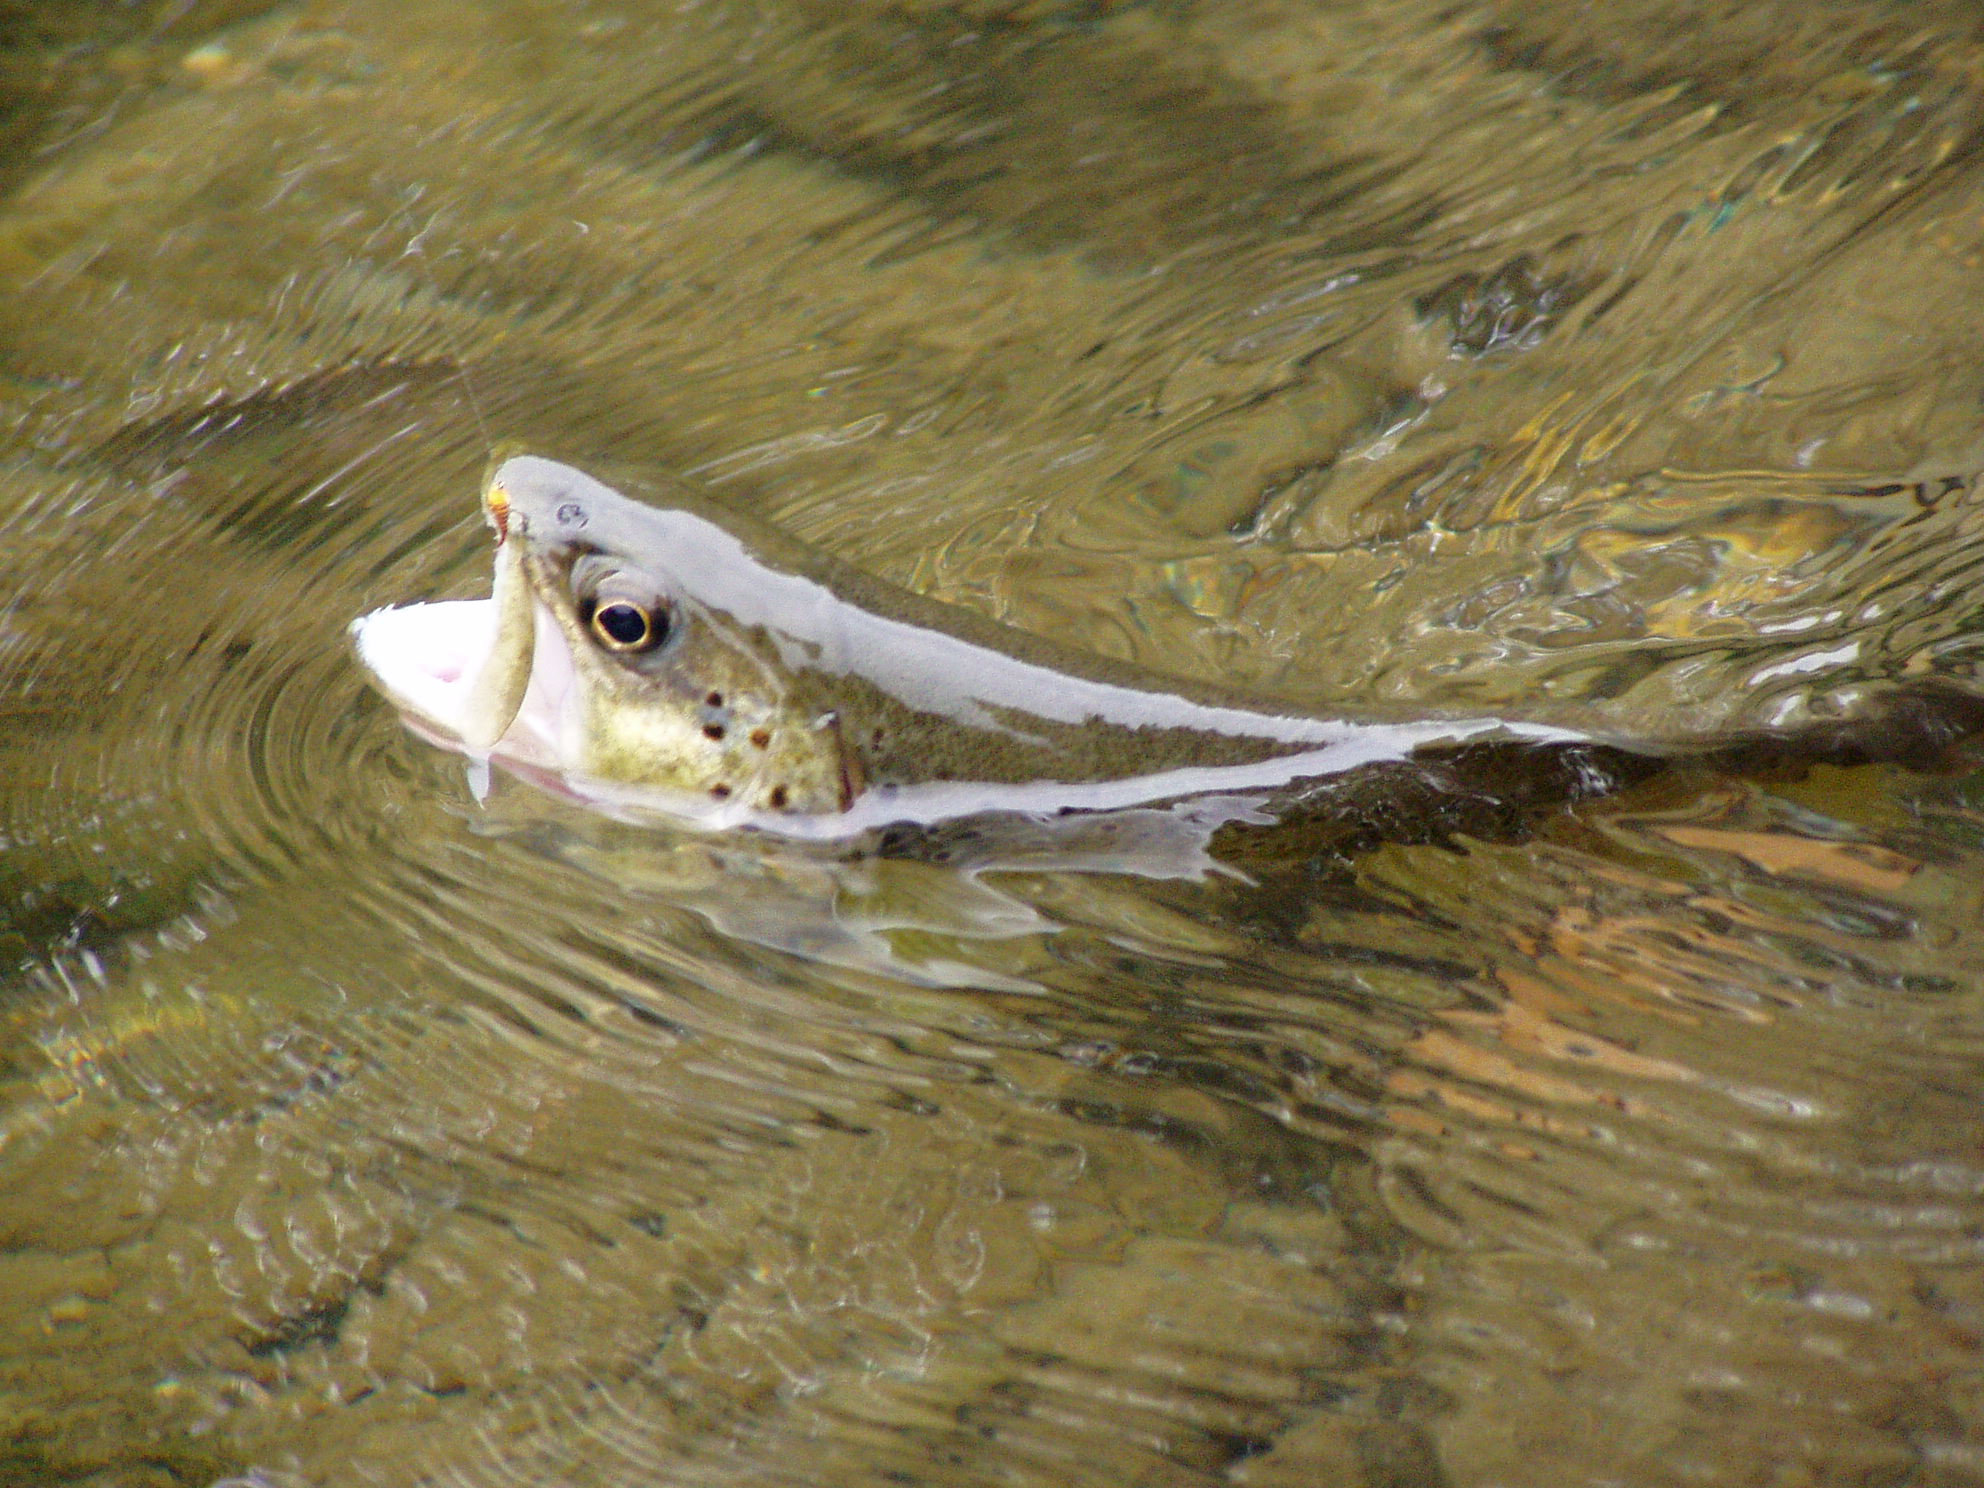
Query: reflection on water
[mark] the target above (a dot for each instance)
(1611, 365)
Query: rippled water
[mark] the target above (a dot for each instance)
(1608, 364)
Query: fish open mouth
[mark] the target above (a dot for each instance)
(427, 657)
(491, 677)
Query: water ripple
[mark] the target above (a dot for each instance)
(1576, 362)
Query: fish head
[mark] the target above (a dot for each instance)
(623, 647)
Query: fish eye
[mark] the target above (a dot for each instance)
(626, 611)
(623, 625)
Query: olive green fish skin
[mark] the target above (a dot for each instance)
(788, 684)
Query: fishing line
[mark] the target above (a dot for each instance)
(455, 338)
(452, 334)
(474, 403)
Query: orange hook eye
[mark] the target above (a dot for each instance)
(496, 501)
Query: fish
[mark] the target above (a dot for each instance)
(671, 655)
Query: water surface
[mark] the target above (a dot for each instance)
(1612, 365)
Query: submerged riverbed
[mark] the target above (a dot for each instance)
(1610, 365)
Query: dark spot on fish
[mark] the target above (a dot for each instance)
(762, 738)
(571, 514)
(715, 700)
(720, 791)
(779, 798)
(712, 731)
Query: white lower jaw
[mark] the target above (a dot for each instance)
(426, 659)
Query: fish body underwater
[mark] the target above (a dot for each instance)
(673, 655)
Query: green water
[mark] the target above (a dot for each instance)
(1613, 365)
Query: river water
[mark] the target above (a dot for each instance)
(1612, 364)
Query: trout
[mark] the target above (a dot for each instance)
(674, 655)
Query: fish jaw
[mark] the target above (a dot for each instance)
(426, 657)
(431, 661)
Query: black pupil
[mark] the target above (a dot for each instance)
(624, 624)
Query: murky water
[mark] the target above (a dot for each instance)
(1614, 365)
